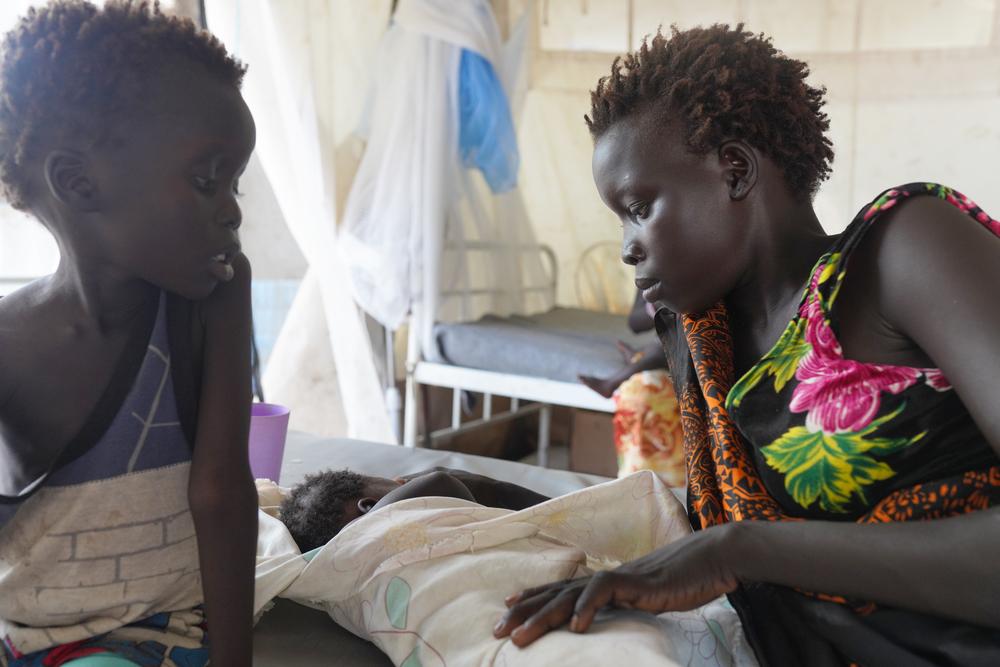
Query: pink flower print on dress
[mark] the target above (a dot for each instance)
(883, 203)
(962, 203)
(936, 380)
(841, 395)
(818, 333)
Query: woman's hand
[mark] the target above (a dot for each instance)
(683, 575)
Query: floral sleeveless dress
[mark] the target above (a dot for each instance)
(807, 433)
(851, 433)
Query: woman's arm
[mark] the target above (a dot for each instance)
(221, 490)
(946, 567)
(937, 277)
(935, 272)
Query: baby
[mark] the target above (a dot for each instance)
(318, 508)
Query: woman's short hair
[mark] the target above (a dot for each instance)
(722, 83)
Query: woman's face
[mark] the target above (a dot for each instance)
(680, 227)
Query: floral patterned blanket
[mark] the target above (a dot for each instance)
(424, 579)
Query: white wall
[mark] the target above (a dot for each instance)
(913, 94)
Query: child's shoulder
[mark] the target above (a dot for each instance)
(21, 314)
(22, 320)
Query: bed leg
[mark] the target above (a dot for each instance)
(411, 405)
(410, 408)
(393, 401)
(544, 423)
(456, 407)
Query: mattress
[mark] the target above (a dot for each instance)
(559, 344)
(291, 635)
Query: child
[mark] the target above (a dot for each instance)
(126, 500)
(318, 508)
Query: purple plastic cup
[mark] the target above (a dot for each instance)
(268, 428)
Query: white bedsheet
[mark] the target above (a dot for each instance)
(424, 579)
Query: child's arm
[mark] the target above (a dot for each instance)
(221, 490)
(490, 492)
(436, 483)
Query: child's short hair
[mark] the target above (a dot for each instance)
(72, 69)
(718, 83)
(314, 510)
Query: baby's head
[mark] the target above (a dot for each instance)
(318, 508)
(123, 130)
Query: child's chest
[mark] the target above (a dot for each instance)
(53, 383)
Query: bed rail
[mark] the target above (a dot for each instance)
(540, 393)
(549, 263)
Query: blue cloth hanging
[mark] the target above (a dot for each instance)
(486, 135)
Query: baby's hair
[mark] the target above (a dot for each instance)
(72, 69)
(723, 83)
(314, 510)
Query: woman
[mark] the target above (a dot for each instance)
(866, 362)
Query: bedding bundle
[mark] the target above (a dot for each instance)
(424, 579)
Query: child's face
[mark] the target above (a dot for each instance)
(167, 191)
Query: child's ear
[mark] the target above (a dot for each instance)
(68, 180)
(365, 505)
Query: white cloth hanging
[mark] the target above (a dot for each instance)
(415, 217)
(296, 150)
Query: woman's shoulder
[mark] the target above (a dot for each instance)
(922, 199)
(908, 219)
(907, 260)
(929, 221)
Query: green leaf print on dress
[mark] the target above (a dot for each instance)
(832, 467)
(781, 362)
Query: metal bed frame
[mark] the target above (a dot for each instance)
(528, 394)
